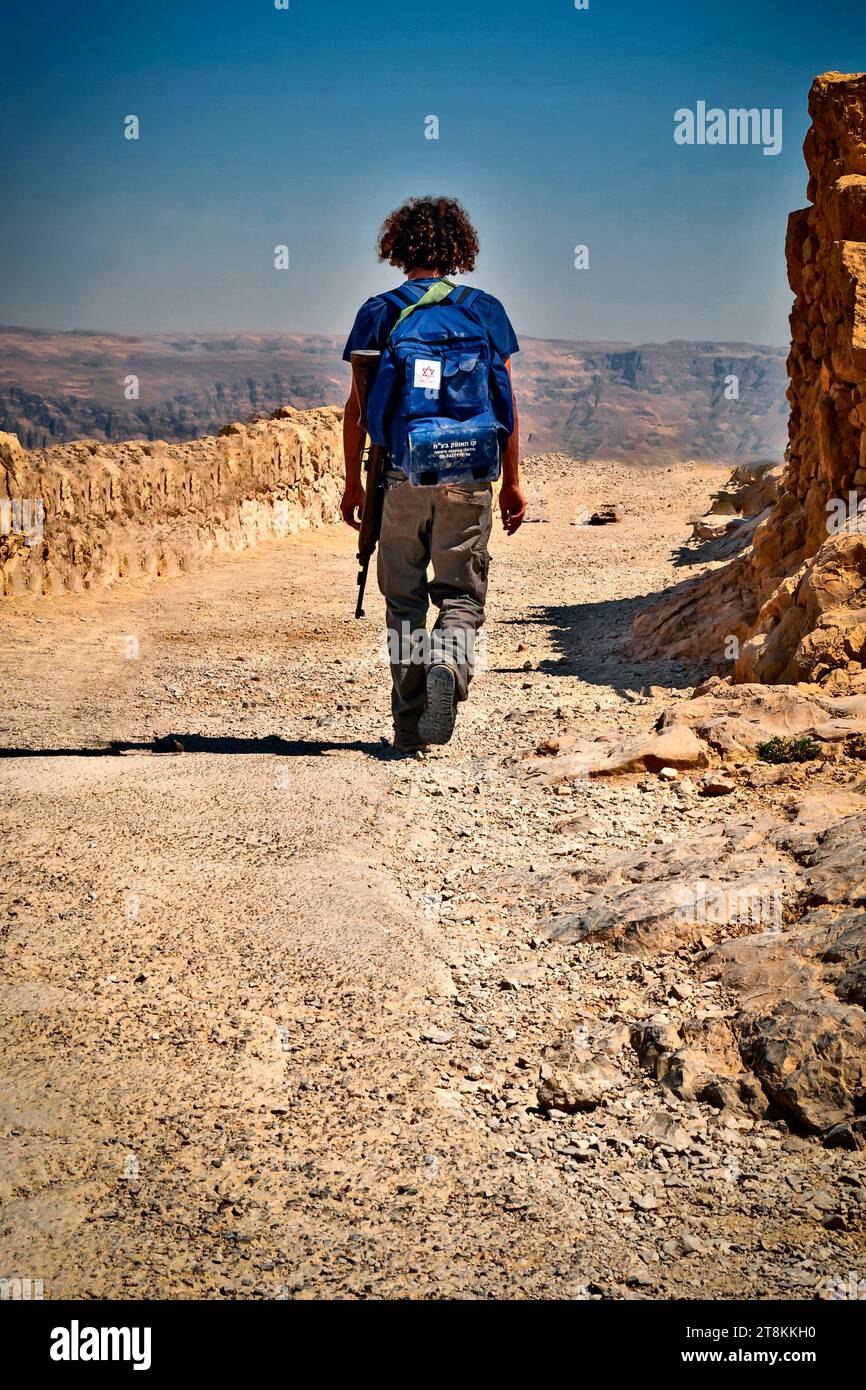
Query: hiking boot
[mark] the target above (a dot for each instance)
(406, 742)
(436, 724)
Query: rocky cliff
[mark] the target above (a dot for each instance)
(792, 606)
(81, 516)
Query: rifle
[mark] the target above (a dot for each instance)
(365, 364)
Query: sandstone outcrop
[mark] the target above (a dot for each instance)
(733, 720)
(792, 606)
(779, 908)
(82, 516)
(769, 901)
(610, 755)
(721, 721)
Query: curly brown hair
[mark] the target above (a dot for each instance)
(434, 232)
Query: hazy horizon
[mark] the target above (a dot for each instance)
(258, 332)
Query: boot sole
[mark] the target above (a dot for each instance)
(436, 724)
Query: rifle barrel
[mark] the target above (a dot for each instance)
(362, 584)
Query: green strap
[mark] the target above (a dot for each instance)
(436, 293)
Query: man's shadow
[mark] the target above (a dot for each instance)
(205, 743)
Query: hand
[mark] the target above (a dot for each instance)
(512, 506)
(352, 502)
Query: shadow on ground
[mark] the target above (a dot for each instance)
(204, 743)
(727, 546)
(594, 643)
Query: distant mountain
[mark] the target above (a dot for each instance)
(654, 402)
(56, 387)
(659, 401)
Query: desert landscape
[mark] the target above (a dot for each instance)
(573, 1008)
(660, 402)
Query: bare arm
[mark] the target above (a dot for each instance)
(512, 504)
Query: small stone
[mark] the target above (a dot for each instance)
(605, 516)
(519, 977)
(842, 1136)
(645, 1202)
(682, 990)
(664, 1129)
(824, 1201)
(715, 784)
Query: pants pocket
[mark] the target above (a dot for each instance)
(474, 496)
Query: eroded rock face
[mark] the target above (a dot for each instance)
(675, 746)
(779, 907)
(82, 516)
(720, 721)
(801, 1025)
(693, 1057)
(732, 720)
(731, 877)
(792, 606)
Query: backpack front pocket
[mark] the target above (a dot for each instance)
(464, 384)
(422, 385)
(443, 450)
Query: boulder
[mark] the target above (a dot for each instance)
(675, 746)
(573, 1079)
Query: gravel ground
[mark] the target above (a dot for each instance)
(275, 1001)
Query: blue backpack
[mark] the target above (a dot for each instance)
(441, 403)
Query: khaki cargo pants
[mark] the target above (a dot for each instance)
(446, 528)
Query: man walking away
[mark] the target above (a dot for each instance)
(443, 405)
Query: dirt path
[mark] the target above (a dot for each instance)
(274, 1004)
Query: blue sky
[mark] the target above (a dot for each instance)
(305, 126)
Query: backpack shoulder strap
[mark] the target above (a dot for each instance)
(396, 300)
(438, 291)
(467, 296)
(399, 298)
